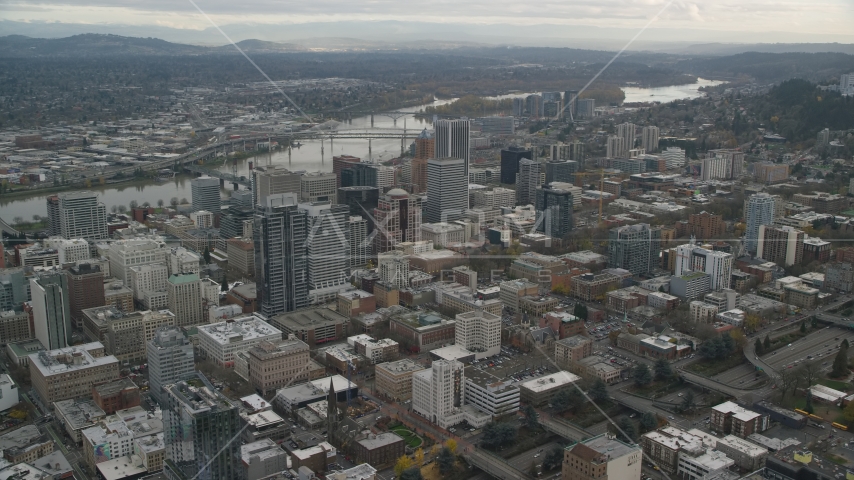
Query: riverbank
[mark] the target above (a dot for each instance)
(28, 193)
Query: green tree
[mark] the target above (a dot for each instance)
(531, 420)
(498, 434)
(413, 473)
(648, 421)
(840, 363)
(598, 392)
(560, 401)
(688, 400)
(662, 369)
(642, 375)
(758, 347)
(553, 459)
(809, 408)
(767, 342)
(445, 460)
(207, 255)
(627, 429)
(803, 327)
(848, 413)
(844, 344)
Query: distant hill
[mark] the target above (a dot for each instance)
(771, 67)
(91, 44)
(736, 48)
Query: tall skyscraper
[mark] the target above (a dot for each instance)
(54, 228)
(614, 147)
(759, 210)
(280, 255)
(693, 258)
(51, 310)
(534, 105)
(81, 215)
(447, 190)
(398, 219)
(453, 140)
(359, 247)
(13, 289)
(649, 139)
(570, 104)
(510, 158)
(341, 163)
(560, 170)
(518, 107)
(199, 427)
(205, 194)
(184, 293)
(527, 182)
(327, 248)
(425, 145)
(635, 248)
(780, 244)
(273, 180)
(425, 148)
(627, 132)
(438, 391)
(85, 290)
(170, 358)
(554, 208)
(359, 175)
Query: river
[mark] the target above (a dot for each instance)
(309, 157)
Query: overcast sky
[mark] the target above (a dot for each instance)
(830, 20)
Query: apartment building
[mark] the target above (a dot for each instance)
(572, 349)
(730, 418)
(479, 331)
(70, 372)
(124, 334)
(394, 379)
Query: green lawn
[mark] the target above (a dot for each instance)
(412, 440)
(710, 368)
(589, 415)
(841, 386)
(656, 389)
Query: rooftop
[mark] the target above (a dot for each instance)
(574, 341)
(743, 446)
(373, 442)
(239, 330)
(400, 366)
(736, 411)
(80, 412)
(548, 382)
(20, 438)
(606, 444)
(64, 360)
(309, 318)
(255, 402)
(452, 352)
(114, 387)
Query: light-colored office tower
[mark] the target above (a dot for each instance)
(394, 268)
(758, 211)
(273, 180)
(147, 278)
(185, 299)
(694, 258)
(496, 198)
(437, 392)
(479, 332)
(527, 182)
(69, 372)
(614, 147)
(635, 248)
(327, 249)
(218, 342)
(170, 358)
(358, 237)
(385, 176)
(398, 219)
(182, 260)
(627, 132)
(453, 141)
(318, 187)
(447, 190)
(780, 244)
(674, 157)
(280, 235)
(649, 139)
(202, 219)
(81, 215)
(69, 251)
(199, 426)
(51, 310)
(124, 254)
(205, 194)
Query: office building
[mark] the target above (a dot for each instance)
(495, 198)
(437, 392)
(674, 157)
(693, 258)
(554, 203)
(69, 372)
(602, 457)
(357, 230)
(199, 426)
(394, 379)
(540, 391)
(634, 248)
(68, 250)
(571, 107)
(275, 363)
(170, 358)
(262, 459)
(492, 398)
(147, 278)
(394, 269)
(527, 181)
(361, 201)
(339, 164)
(281, 229)
(510, 158)
(572, 349)
(85, 289)
(691, 285)
(649, 139)
(184, 292)
(626, 132)
(124, 254)
(116, 395)
(560, 170)
(703, 226)
(781, 245)
(318, 187)
(727, 164)
(54, 224)
(218, 342)
(759, 210)
(497, 125)
(586, 108)
(447, 189)
(124, 334)
(664, 446)
(327, 249)
(51, 310)
(14, 326)
(205, 194)
(453, 141)
(313, 325)
(479, 332)
(13, 289)
(770, 173)
(81, 215)
(426, 330)
(398, 219)
(534, 105)
(273, 180)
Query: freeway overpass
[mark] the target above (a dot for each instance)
(710, 384)
(564, 429)
(493, 465)
(7, 229)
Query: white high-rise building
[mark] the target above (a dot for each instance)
(614, 148)
(359, 245)
(147, 278)
(318, 187)
(182, 260)
(527, 182)
(185, 299)
(437, 392)
(453, 141)
(385, 176)
(496, 198)
(51, 310)
(202, 219)
(394, 268)
(447, 189)
(479, 332)
(674, 157)
(205, 194)
(272, 180)
(627, 132)
(124, 254)
(649, 139)
(82, 216)
(759, 210)
(327, 249)
(70, 251)
(693, 258)
(170, 357)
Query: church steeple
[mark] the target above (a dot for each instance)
(331, 409)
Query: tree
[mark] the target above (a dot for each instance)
(498, 434)
(662, 369)
(808, 407)
(627, 429)
(419, 457)
(531, 420)
(173, 201)
(758, 347)
(133, 204)
(224, 286)
(688, 401)
(413, 473)
(451, 444)
(445, 460)
(844, 344)
(803, 327)
(648, 421)
(160, 203)
(612, 336)
(207, 255)
(767, 343)
(553, 459)
(598, 392)
(402, 464)
(840, 363)
(642, 375)
(560, 401)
